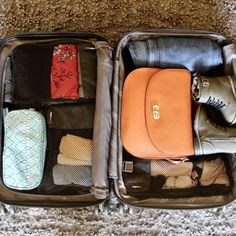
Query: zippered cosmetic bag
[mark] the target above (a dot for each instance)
(24, 149)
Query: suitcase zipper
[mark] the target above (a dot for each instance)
(49, 34)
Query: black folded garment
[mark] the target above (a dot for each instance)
(200, 55)
(31, 72)
(88, 66)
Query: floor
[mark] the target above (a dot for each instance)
(112, 18)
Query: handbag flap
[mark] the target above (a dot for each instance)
(133, 130)
(168, 112)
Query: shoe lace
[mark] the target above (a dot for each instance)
(217, 103)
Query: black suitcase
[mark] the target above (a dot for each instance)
(110, 164)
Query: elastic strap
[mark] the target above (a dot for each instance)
(100, 193)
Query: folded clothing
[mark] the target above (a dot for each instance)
(54, 140)
(178, 176)
(64, 72)
(24, 149)
(200, 55)
(64, 160)
(169, 169)
(65, 175)
(179, 182)
(87, 67)
(222, 179)
(189, 174)
(75, 150)
(31, 64)
(213, 172)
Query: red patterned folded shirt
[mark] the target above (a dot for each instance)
(64, 72)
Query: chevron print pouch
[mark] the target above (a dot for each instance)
(24, 149)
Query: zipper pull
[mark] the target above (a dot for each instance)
(90, 48)
(50, 118)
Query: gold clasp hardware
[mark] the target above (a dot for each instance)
(155, 112)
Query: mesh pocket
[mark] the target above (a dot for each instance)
(180, 182)
(199, 176)
(192, 173)
(74, 161)
(48, 186)
(169, 169)
(177, 176)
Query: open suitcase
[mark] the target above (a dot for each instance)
(113, 168)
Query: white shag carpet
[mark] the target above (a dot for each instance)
(112, 18)
(40, 222)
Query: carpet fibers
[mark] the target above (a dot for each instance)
(111, 19)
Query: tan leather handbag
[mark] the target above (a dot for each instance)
(156, 119)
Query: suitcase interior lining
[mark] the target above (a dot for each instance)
(188, 193)
(37, 90)
(54, 136)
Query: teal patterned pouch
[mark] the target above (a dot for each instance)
(24, 149)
